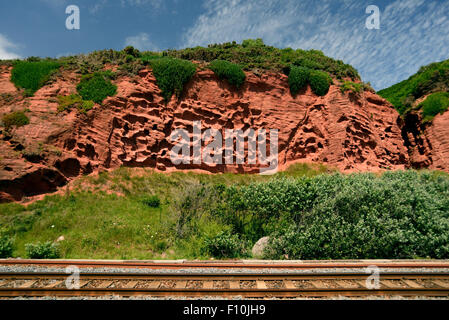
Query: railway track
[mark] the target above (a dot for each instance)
(234, 264)
(248, 285)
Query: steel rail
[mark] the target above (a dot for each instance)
(441, 290)
(228, 265)
(254, 293)
(224, 276)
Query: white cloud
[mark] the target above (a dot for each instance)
(5, 49)
(141, 42)
(412, 32)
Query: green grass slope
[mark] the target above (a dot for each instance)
(429, 79)
(307, 212)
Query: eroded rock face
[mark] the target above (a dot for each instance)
(428, 143)
(348, 131)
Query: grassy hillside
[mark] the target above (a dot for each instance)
(309, 214)
(429, 79)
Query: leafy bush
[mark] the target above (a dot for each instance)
(96, 87)
(434, 104)
(17, 118)
(46, 250)
(224, 245)
(400, 215)
(152, 201)
(229, 71)
(172, 74)
(6, 247)
(298, 79)
(319, 82)
(74, 100)
(131, 51)
(31, 76)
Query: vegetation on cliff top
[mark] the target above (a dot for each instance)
(429, 79)
(300, 77)
(253, 54)
(174, 68)
(96, 87)
(31, 75)
(172, 74)
(232, 72)
(434, 104)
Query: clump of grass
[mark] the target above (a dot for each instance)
(96, 87)
(232, 72)
(319, 82)
(152, 201)
(298, 79)
(15, 119)
(74, 100)
(434, 104)
(351, 86)
(6, 247)
(147, 57)
(32, 75)
(171, 75)
(224, 245)
(45, 250)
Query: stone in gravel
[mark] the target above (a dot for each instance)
(259, 247)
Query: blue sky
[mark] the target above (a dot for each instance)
(412, 32)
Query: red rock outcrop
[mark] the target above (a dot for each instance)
(428, 143)
(353, 132)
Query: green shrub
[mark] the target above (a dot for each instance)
(399, 215)
(298, 79)
(31, 76)
(74, 100)
(46, 250)
(172, 74)
(131, 51)
(96, 87)
(6, 247)
(319, 82)
(232, 72)
(434, 104)
(152, 201)
(224, 245)
(17, 119)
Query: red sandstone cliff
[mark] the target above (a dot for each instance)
(353, 132)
